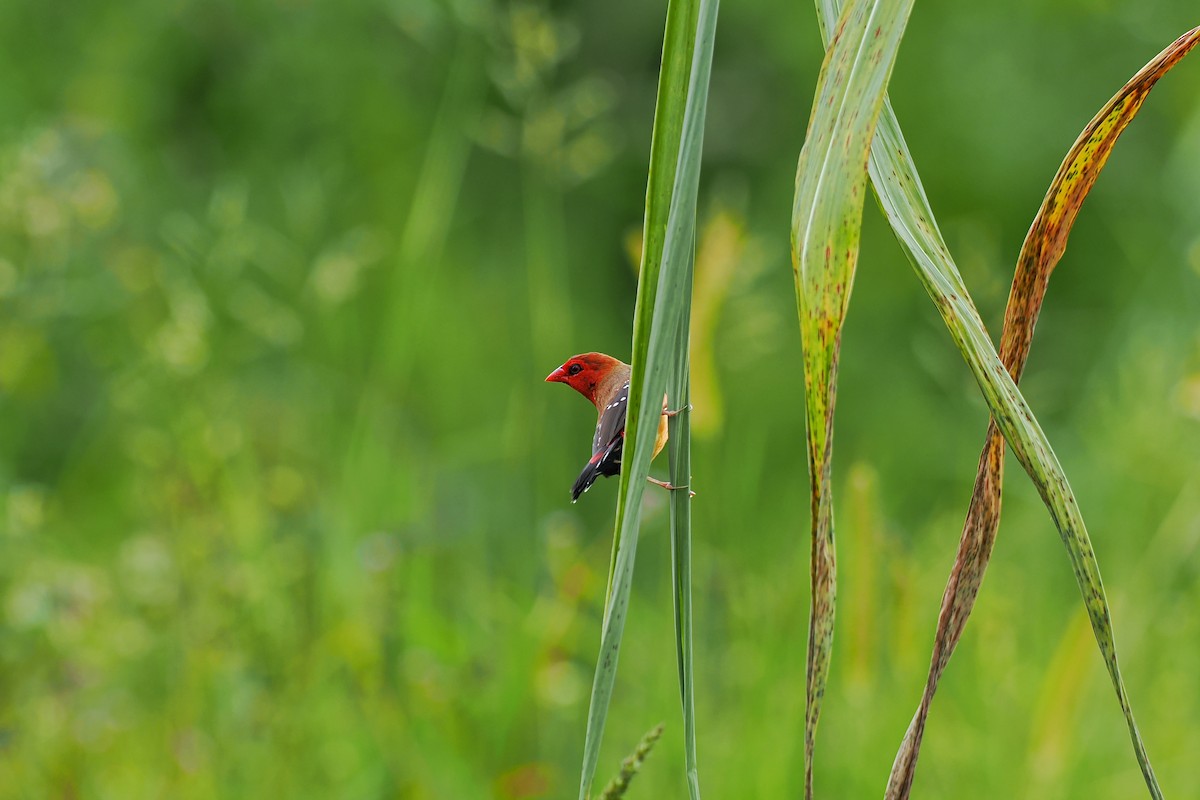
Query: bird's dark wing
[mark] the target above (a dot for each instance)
(611, 424)
(608, 445)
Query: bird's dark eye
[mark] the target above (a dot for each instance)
(575, 369)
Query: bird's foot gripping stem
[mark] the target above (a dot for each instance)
(677, 412)
(670, 487)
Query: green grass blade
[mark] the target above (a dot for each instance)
(826, 225)
(661, 314)
(681, 549)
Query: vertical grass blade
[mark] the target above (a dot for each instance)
(681, 549)
(826, 225)
(661, 316)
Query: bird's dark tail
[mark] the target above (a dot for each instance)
(586, 478)
(607, 462)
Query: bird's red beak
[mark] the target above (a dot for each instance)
(558, 376)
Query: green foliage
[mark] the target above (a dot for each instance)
(284, 504)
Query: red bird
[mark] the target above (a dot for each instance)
(604, 381)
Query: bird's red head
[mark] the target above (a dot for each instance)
(585, 372)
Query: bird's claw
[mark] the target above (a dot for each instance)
(670, 487)
(677, 411)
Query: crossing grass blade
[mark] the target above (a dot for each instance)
(902, 197)
(660, 336)
(1043, 247)
(826, 226)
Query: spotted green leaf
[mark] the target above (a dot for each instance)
(826, 224)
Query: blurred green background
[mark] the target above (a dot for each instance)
(284, 501)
